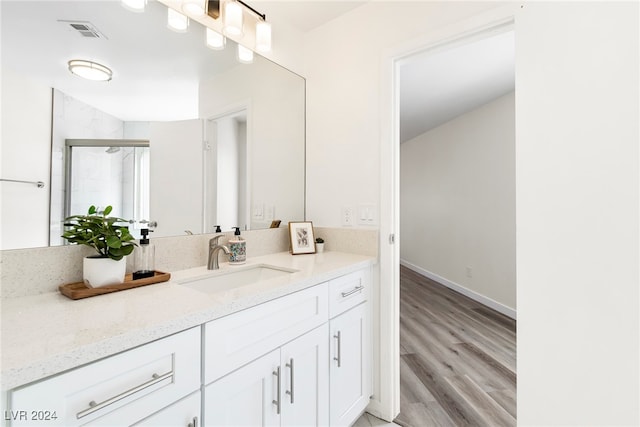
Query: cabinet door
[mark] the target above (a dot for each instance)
(350, 378)
(184, 413)
(305, 379)
(246, 396)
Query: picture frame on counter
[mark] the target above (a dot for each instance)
(301, 237)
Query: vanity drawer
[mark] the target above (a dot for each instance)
(235, 340)
(117, 390)
(348, 291)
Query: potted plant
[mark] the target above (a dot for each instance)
(319, 244)
(111, 240)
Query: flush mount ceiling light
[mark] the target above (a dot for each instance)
(134, 5)
(177, 21)
(90, 70)
(215, 40)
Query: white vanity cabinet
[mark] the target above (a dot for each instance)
(300, 360)
(288, 385)
(119, 390)
(184, 413)
(351, 365)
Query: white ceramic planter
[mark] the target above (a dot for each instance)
(319, 247)
(98, 272)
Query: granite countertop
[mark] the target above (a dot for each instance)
(46, 334)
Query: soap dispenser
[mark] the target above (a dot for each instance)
(144, 257)
(237, 248)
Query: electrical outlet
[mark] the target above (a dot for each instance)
(348, 216)
(469, 271)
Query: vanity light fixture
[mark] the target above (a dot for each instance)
(245, 55)
(233, 18)
(215, 40)
(134, 5)
(177, 21)
(194, 7)
(90, 70)
(263, 36)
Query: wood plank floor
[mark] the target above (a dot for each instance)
(457, 358)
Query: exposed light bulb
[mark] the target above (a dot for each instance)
(193, 7)
(263, 36)
(233, 18)
(245, 55)
(177, 21)
(215, 40)
(134, 5)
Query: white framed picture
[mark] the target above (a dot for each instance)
(301, 237)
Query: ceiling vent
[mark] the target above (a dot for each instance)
(84, 28)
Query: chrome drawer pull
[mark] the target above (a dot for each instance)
(353, 291)
(337, 359)
(93, 406)
(290, 366)
(277, 402)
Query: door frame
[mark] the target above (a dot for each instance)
(386, 404)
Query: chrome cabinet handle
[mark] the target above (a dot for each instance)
(337, 359)
(93, 406)
(277, 402)
(290, 366)
(352, 291)
(193, 423)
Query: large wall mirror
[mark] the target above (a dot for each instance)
(226, 140)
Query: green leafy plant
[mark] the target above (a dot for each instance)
(319, 240)
(107, 235)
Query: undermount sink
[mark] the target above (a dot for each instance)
(234, 277)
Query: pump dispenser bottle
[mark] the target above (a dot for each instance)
(237, 248)
(144, 257)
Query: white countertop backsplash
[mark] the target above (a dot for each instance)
(45, 333)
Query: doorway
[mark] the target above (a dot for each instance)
(448, 251)
(226, 179)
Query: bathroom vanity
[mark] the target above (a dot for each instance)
(282, 349)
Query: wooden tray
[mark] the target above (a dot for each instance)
(80, 290)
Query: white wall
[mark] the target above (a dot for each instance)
(343, 61)
(457, 201)
(577, 213)
(576, 182)
(25, 155)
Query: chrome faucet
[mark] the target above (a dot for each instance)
(214, 249)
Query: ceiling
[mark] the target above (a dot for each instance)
(437, 86)
(148, 59)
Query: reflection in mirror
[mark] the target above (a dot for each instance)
(103, 173)
(161, 81)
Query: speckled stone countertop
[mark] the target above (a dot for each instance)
(46, 334)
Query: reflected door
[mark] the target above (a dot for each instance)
(176, 191)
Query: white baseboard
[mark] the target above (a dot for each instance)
(501, 308)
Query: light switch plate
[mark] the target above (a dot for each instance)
(367, 214)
